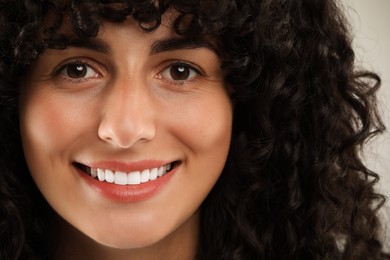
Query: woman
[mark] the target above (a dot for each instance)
(184, 130)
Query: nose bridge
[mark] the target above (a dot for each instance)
(127, 113)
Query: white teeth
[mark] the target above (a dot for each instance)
(133, 178)
(153, 174)
(160, 171)
(145, 176)
(101, 175)
(94, 172)
(109, 176)
(120, 178)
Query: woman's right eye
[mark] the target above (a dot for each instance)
(77, 70)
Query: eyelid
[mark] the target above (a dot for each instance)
(97, 67)
(185, 63)
(190, 65)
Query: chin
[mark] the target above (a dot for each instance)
(127, 240)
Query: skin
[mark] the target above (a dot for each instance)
(127, 108)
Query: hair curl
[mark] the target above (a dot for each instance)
(294, 186)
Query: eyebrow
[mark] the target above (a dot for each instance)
(93, 44)
(162, 45)
(176, 43)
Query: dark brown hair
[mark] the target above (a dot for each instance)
(294, 186)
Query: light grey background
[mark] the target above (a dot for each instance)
(370, 20)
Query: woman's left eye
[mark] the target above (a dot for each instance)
(78, 70)
(179, 71)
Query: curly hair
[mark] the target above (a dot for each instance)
(294, 186)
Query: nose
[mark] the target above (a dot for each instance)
(127, 115)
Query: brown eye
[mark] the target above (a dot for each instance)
(179, 72)
(78, 71)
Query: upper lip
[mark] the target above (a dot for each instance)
(125, 166)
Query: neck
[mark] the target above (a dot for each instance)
(180, 245)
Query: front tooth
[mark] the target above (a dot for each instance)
(110, 176)
(121, 178)
(145, 176)
(94, 172)
(101, 175)
(134, 178)
(153, 174)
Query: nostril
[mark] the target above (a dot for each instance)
(124, 134)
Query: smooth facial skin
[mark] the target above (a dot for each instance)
(130, 104)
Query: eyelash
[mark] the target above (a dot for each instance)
(191, 75)
(61, 70)
(191, 72)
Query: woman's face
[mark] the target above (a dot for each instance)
(148, 113)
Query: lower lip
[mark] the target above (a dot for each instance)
(127, 193)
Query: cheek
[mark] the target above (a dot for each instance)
(50, 126)
(40, 127)
(204, 125)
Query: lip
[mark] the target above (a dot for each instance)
(127, 193)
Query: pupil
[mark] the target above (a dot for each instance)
(76, 70)
(180, 72)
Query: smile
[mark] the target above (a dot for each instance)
(125, 178)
